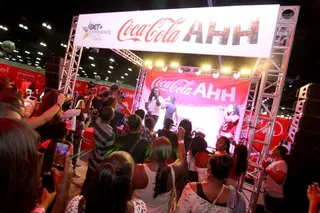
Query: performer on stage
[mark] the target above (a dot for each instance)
(171, 108)
(154, 103)
(230, 122)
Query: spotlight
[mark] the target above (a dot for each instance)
(206, 67)
(164, 69)
(215, 75)
(148, 62)
(180, 70)
(226, 70)
(174, 64)
(236, 75)
(159, 63)
(245, 71)
(198, 72)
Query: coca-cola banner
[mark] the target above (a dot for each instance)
(236, 31)
(214, 106)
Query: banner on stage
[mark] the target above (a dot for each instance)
(214, 106)
(246, 31)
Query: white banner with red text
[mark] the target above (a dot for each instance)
(201, 99)
(246, 31)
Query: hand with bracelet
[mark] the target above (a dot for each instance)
(61, 99)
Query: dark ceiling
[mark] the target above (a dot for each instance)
(304, 62)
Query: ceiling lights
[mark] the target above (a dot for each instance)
(46, 25)
(3, 28)
(23, 26)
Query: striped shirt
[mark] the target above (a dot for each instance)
(103, 141)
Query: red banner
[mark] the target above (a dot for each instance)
(201, 99)
(191, 89)
(280, 132)
(18, 75)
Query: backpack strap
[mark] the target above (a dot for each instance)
(220, 193)
(134, 146)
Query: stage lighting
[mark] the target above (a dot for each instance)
(174, 64)
(206, 67)
(198, 72)
(159, 63)
(180, 70)
(164, 69)
(226, 70)
(245, 71)
(215, 75)
(236, 75)
(148, 64)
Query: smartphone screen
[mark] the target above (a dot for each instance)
(59, 156)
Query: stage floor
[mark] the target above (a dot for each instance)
(76, 183)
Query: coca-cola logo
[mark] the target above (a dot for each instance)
(164, 30)
(129, 95)
(180, 86)
(25, 77)
(4, 69)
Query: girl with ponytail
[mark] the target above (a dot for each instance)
(110, 189)
(154, 182)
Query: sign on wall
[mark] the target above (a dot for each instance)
(246, 31)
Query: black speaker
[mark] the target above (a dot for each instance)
(310, 91)
(309, 107)
(307, 142)
(307, 123)
(53, 67)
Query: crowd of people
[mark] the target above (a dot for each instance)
(132, 167)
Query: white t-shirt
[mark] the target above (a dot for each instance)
(152, 106)
(272, 187)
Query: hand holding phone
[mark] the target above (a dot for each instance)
(59, 156)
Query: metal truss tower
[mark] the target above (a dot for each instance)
(267, 84)
(71, 63)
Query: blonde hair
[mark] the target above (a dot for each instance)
(79, 102)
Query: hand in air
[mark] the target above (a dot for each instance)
(313, 193)
(61, 99)
(47, 198)
(181, 133)
(62, 179)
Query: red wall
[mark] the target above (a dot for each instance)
(18, 75)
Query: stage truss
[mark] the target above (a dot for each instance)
(267, 82)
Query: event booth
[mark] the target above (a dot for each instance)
(203, 94)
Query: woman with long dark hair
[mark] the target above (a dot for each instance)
(199, 149)
(20, 171)
(20, 174)
(110, 189)
(153, 105)
(276, 174)
(187, 126)
(240, 159)
(154, 182)
(212, 195)
(14, 98)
